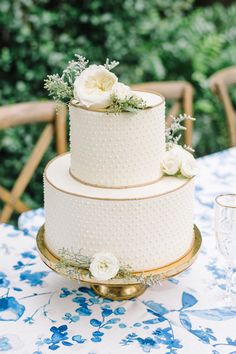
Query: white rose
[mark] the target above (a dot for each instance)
(171, 161)
(92, 88)
(188, 165)
(121, 91)
(104, 266)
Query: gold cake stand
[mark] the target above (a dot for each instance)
(121, 289)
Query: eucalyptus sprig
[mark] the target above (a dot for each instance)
(128, 104)
(77, 259)
(74, 68)
(61, 87)
(109, 65)
(73, 264)
(176, 127)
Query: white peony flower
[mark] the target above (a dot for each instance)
(104, 266)
(171, 161)
(188, 165)
(92, 88)
(121, 91)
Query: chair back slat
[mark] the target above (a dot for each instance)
(172, 90)
(26, 113)
(227, 75)
(174, 109)
(8, 198)
(31, 113)
(29, 169)
(181, 92)
(60, 130)
(219, 83)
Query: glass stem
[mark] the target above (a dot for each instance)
(229, 276)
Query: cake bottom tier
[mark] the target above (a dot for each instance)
(146, 227)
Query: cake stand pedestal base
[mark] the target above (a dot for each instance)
(122, 292)
(121, 289)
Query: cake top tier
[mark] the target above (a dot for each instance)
(96, 88)
(118, 150)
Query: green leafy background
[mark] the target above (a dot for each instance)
(153, 40)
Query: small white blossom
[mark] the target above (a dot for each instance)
(171, 161)
(188, 165)
(104, 266)
(121, 91)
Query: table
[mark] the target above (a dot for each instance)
(41, 312)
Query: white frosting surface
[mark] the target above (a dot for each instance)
(58, 175)
(118, 150)
(151, 99)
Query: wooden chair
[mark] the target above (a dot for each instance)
(55, 124)
(219, 83)
(181, 93)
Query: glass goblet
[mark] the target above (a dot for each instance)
(225, 230)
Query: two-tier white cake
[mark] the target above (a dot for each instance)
(110, 193)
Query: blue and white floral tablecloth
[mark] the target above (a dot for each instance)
(41, 312)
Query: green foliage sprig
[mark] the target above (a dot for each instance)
(73, 264)
(75, 258)
(74, 68)
(171, 133)
(61, 87)
(58, 89)
(128, 104)
(110, 65)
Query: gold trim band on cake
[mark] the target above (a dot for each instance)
(112, 187)
(188, 180)
(104, 110)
